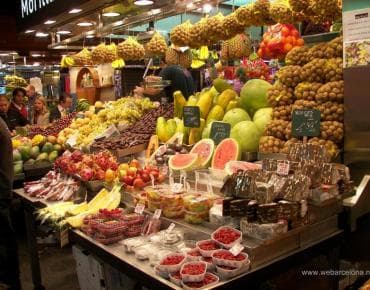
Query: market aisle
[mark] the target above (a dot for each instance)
(57, 266)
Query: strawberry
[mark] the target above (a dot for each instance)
(172, 260)
(208, 246)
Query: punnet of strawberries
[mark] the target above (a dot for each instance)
(176, 276)
(208, 246)
(226, 255)
(208, 279)
(172, 260)
(193, 269)
(207, 259)
(227, 267)
(226, 235)
(194, 253)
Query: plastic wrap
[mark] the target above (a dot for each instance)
(263, 231)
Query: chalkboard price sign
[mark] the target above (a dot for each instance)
(191, 115)
(220, 131)
(306, 122)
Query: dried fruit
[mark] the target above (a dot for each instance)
(280, 95)
(261, 13)
(270, 144)
(331, 92)
(331, 111)
(231, 26)
(244, 15)
(333, 69)
(276, 128)
(304, 104)
(104, 53)
(172, 56)
(180, 34)
(318, 51)
(297, 56)
(185, 58)
(299, 5)
(157, 45)
(331, 148)
(282, 113)
(333, 131)
(83, 58)
(281, 12)
(214, 28)
(314, 71)
(307, 91)
(290, 75)
(335, 47)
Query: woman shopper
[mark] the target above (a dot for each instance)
(40, 112)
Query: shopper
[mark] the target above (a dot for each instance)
(4, 107)
(32, 95)
(63, 108)
(181, 80)
(40, 112)
(9, 263)
(17, 113)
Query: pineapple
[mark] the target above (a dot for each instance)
(172, 56)
(185, 59)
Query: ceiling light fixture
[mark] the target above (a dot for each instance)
(111, 14)
(155, 11)
(48, 22)
(118, 23)
(90, 36)
(75, 11)
(63, 32)
(36, 55)
(143, 2)
(190, 6)
(84, 24)
(4, 54)
(29, 31)
(42, 34)
(207, 8)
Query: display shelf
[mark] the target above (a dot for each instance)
(321, 37)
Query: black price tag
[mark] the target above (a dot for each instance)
(191, 115)
(220, 131)
(306, 122)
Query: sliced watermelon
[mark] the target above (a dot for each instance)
(204, 148)
(183, 161)
(233, 166)
(226, 151)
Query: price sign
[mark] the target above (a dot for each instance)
(139, 208)
(157, 213)
(220, 131)
(283, 168)
(236, 249)
(191, 115)
(171, 227)
(306, 122)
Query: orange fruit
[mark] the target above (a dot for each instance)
(287, 47)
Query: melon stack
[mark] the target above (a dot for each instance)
(312, 80)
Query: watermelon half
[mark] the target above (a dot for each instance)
(226, 151)
(234, 166)
(183, 161)
(204, 148)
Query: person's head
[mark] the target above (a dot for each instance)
(18, 96)
(30, 90)
(4, 104)
(40, 105)
(65, 102)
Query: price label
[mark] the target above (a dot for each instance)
(220, 131)
(139, 208)
(191, 116)
(171, 227)
(236, 249)
(283, 168)
(177, 188)
(306, 122)
(157, 213)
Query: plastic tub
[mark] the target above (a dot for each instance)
(194, 255)
(238, 262)
(166, 265)
(207, 247)
(193, 276)
(225, 233)
(173, 212)
(210, 265)
(209, 280)
(199, 202)
(175, 278)
(153, 205)
(195, 217)
(226, 272)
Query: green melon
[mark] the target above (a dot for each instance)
(17, 155)
(183, 161)
(247, 135)
(204, 148)
(25, 152)
(43, 156)
(235, 116)
(35, 151)
(47, 148)
(52, 156)
(226, 151)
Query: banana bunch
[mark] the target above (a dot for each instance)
(118, 63)
(203, 53)
(67, 61)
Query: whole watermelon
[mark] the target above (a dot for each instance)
(253, 95)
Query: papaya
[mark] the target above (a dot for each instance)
(205, 104)
(196, 133)
(225, 97)
(179, 103)
(192, 101)
(216, 114)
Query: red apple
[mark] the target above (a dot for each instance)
(132, 171)
(129, 180)
(134, 163)
(138, 183)
(145, 177)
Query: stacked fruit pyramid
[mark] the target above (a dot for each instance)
(312, 80)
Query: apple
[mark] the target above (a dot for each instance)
(145, 177)
(134, 163)
(132, 171)
(110, 175)
(129, 180)
(155, 173)
(138, 183)
(123, 166)
(122, 173)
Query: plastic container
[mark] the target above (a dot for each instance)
(172, 268)
(131, 244)
(111, 228)
(226, 233)
(194, 255)
(164, 274)
(229, 262)
(153, 205)
(193, 277)
(175, 278)
(141, 198)
(195, 217)
(210, 265)
(155, 257)
(226, 272)
(109, 240)
(207, 247)
(133, 219)
(171, 200)
(209, 280)
(173, 212)
(199, 202)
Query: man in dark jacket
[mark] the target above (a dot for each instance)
(17, 113)
(4, 107)
(9, 264)
(63, 108)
